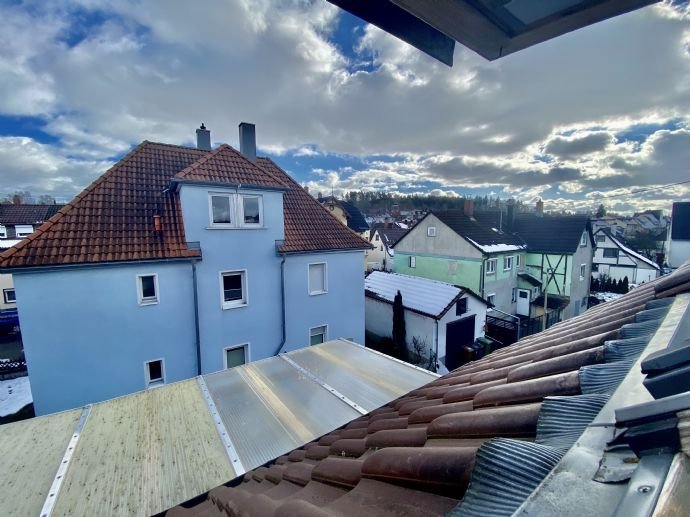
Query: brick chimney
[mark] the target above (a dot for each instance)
(203, 138)
(540, 208)
(468, 207)
(248, 140)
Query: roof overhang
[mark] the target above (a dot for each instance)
(491, 28)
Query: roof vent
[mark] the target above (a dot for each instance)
(248, 140)
(203, 138)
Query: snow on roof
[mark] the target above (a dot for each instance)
(419, 294)
(633, 253)
(496, 248)
(4, 244)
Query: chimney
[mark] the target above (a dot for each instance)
(387, 222)
(540, 208)
(510, 219)
(248, 140)
(203, 138)
(306, 189)
(157, 223)
(468, 207)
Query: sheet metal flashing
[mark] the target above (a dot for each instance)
(569, 490)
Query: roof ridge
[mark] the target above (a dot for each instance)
(202, 160)
(68, 207)
(186, 148)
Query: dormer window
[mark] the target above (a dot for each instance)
(3, 231)
(235, 210)
(23, 230)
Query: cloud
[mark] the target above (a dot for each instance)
(573, 147)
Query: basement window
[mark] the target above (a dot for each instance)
(9, 296)
(317, 335)
(236, 355)
(154, 373)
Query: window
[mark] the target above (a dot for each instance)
(490, 266)
(147, 288)
(595, 268)
(507, 263)
(583, 271)
(610, 252)
(251, 210)
(601, 238)
(376, 237)
(513, 297)
(23, 230)
(536, 291)
(431, 231)
(518, 260)
(221, 209)
(583, 303)
(154, 373)
(235, 355)
(233, 289)
(318, 278)
(461, 307)
(235, 211)
(491, 298)
(3, 231)
(583, 239)
(412, 261)
(9, 296)
(318, 335)
(382, 247)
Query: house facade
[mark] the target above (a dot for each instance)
(454, 247)
(442, 316)
(679, 236)
(382, 237)
(614, 260)
(177, 262)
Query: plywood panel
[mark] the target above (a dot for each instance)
(30, 453)
(144, 453)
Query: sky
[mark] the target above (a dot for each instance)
(600, 115)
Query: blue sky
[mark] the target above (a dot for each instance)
(590, 117)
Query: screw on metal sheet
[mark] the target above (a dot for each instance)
(644, 489)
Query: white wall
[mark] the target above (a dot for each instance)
(6, 283)
(678, 253)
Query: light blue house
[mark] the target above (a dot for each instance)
(180, 261)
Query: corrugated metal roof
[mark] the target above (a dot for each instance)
(419, 294)
(145, 452)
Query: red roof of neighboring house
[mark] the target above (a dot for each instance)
(27, 214)
(112, 219)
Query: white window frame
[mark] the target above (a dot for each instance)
(149, 383)
(6, 291)
(583, 271)
(140, 290)
(412, 262)
(234, 304)
(233, 210)
(21, 235)
(325, 333)
(508, 262)
(3, 231)
(489, 297)
(325, 278)
(491, 266)
(518, 260)
(583, 240)
(431, 231)
(240, 205)
(601, 238)
(514, 295)
(247, 354)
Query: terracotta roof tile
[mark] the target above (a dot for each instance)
(112, 219)
(27, 214)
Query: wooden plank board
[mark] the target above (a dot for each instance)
(143, 453)
(30, 454)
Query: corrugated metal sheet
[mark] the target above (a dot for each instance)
(646, 328)
(143, 453)
(603, 378)
(420, 294)
(651, 314)
(505, 473)
(562, 419)
(622, 349)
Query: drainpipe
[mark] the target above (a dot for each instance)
(436, 342)
(196, 319)
(282, 302)
(481, 278)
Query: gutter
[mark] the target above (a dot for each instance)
(60, 267)
(196, 319)
(282, 303)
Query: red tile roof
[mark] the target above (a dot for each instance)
(225, 165)
(416, 455)
(112, 219)
(27, 214)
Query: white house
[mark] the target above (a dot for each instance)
(616, 261)
(446, 316)
(383, 237)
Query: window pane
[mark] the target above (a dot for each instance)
(317, 278)
(251, 210)
(232, 287)
(155, 370)
(220, 206)
(235, 357)
(148, 286)
(317, 335)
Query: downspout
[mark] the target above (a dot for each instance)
(436, 342)
(481, 278)
(196, 319)
(282, 303)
